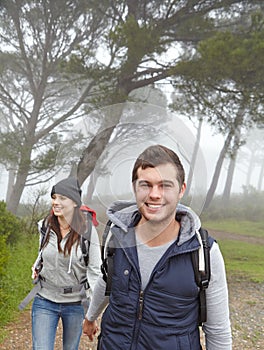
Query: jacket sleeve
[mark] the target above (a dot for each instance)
(93, 268)
(217, 329)
(99, 300)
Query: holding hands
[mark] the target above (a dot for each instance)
(90, 328)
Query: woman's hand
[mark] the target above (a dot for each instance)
(34, 273)
(90, 328)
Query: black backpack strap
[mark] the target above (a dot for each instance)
(86, 238)
(107, 256)
(202, 278)
(44, 231)
(85, 244)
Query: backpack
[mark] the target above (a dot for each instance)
(202, 278)
(84, 244)
(85, 239)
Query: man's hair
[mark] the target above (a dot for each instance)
(158, 155)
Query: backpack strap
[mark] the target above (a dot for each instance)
(86, 238)
(44, 231)
(85, 244)
(202, 276)
(107, 256)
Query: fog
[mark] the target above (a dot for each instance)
(157, 126)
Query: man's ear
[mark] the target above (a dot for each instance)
(134, 186)
(182, 190)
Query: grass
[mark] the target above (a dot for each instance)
(17, 281)
(244, 261)
(247, 228)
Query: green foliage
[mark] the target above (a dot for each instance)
(244, 261)
(139, 40)
(18, 250)
(248, 206)
(4, 255)
(10, 225)
(229, 56)
(17, 281)
(224, 77)
(232, 56)
(9, 146)
(75, 64)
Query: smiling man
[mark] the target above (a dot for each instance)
(154, 300)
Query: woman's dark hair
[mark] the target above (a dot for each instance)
(77, 227)
(158, 155)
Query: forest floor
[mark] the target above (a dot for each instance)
(246, 302)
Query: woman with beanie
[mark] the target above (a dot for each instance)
(65, 276)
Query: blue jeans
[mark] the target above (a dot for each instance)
(45, 318)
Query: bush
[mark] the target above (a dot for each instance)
(17, 281)
(9, 228)
(247, 206)
(4, 255)
(30, 215)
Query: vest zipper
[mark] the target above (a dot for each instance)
(141, 301)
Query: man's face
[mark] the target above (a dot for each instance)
(157, 193)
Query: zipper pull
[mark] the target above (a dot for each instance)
(141, 300)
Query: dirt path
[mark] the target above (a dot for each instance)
(236, 237)
(246, 309)
(247, 317)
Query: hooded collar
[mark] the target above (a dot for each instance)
(124, 213)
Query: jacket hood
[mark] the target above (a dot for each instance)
(122, 214)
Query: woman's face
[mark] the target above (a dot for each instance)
(63, 206)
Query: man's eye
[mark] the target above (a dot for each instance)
(143, 185)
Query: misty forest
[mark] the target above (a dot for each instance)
(69, 62)
(86, 85)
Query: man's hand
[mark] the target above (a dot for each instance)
(90, 328)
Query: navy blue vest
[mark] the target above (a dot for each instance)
(165, 315)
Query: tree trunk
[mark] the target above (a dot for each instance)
(10, 184)
(91, 186)
(234, 133)
(21, 178)
(212, 188)
(99, 142)
(16, 192)
(261, 175)
(194, 157)
(229, 179)
(232, 164)
(250, 168)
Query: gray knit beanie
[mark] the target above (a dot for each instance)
(69, 188)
